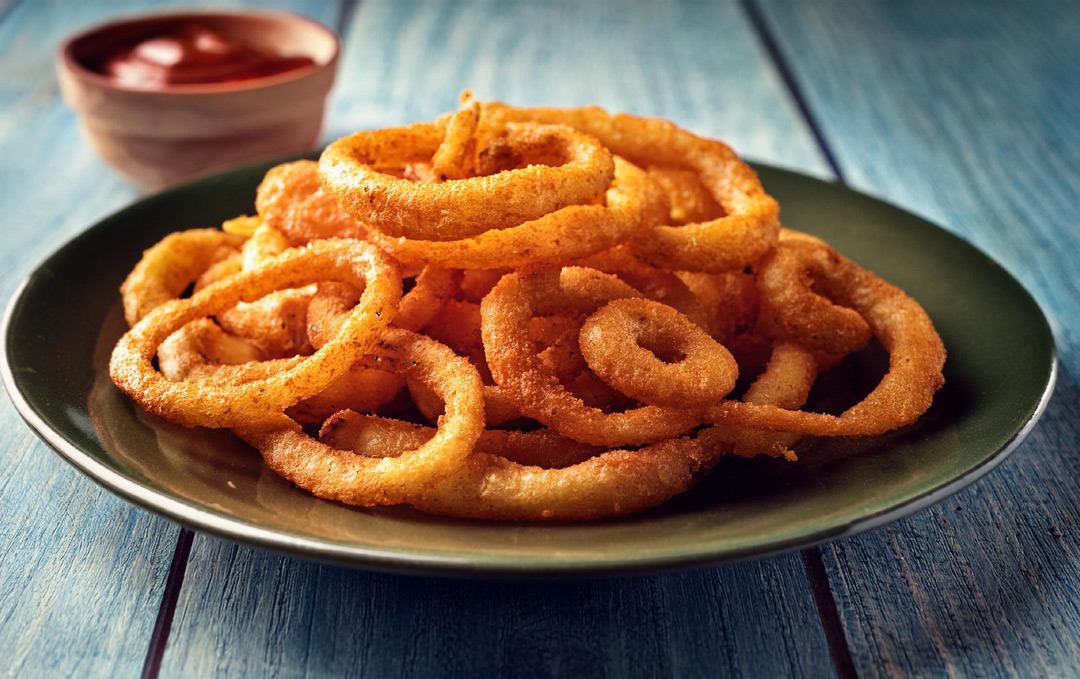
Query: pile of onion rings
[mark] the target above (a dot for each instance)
(514, 314)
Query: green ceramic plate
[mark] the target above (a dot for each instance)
(62, 323)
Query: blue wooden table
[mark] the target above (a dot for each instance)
(966, 112)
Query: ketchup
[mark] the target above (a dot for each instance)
(193, 54)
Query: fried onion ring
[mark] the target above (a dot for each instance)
(750, 224)
(451, 161)
(170, 266)
(359, 480)
(491, 486)
(291, 199)
(571, 168)
(916, 358)
(532, 385)
(623, 343)
(795, 283)
(785, 383)
(570, 233)
(202, 350)
(192, 403)
(381, 437)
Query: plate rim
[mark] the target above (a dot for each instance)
(401, 560)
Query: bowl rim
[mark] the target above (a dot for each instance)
(67, 61)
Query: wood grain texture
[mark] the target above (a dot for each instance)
(81, 572)
(697, 63)
(261, 615)
(965, 112)
(264, 615)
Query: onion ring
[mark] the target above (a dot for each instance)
(451, 160)
(498, 409)
(653, 283)
(461, 208)
(192, 403)
(491, 486)
(570, 233)
(291, 199)
(729, 301)
(230, 264)
(170, 266)
(689, 200)
(277, 323)
(532, 386)
(750, 225)
(381, 437)
(366, 481)
(785, 383)
(621, 343)
(793, 310)
(202, 350)
(434, 286)
(916, 358)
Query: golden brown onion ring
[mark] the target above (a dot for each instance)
(795, 284)
(491, 486)
(570, 169)
(652, 282)
(192, 403)
(689, 200)
(291, 198)
(359, 480)
(570, 233)
(170, 266)
(381, 437)
(785, 383)
(751, 221)
(277, 323)
(532, 385)
(434, 286)
(202, 351)
(451, 161)
(916, 358)
(729, 301)
(626, 341)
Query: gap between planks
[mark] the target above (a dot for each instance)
(346, 11)
(167, 609)
(178, 568)
(6, 6)
(828, 612)
(757, 20)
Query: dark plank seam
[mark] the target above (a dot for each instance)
(827, 609)
(839, 651)
(163, 624)
(345, 15)
(178, 568)
(769, 42)
(6, 11)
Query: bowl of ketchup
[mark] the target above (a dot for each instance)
(167, 97)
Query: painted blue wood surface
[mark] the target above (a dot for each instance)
(964, 112)
(261, 615)
(698, 63)
(81, 572)
(968, 112)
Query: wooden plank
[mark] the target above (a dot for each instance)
(82, 572)
(259, 614)
(409, 61)
(965, 112)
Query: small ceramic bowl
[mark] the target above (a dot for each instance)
(162, 136)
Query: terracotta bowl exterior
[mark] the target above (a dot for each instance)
(161, 137)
